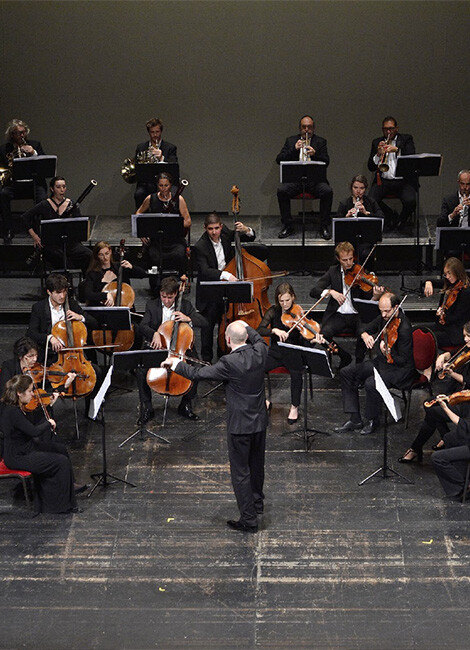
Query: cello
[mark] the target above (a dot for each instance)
(245, 266)
(124, 296)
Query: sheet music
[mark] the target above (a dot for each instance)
(96, 402)
(391, 402)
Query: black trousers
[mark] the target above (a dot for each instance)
(213, 313)
(246, 455)
(436, 418)
(450, 466)
(287, 191)
(77, 255)
(338, 324)
(292, 360)
(403, 190)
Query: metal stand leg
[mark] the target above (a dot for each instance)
(142, 430)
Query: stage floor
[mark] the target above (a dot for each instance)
(334, 565)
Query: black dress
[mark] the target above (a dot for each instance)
(47, 460)
(91, 289)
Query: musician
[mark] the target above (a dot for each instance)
(56, 206)
(454, 304)
(340, 314)
(454, 208)
(242, 372)
(18, 145)
(450, 464)
(213, 251)
(158, 311)
(272, 326)
(26, 449)
(155, 150)
(174, 254)
(387, 182)
(304, 146)
(437, 417)
(103, 270)
(394, 363)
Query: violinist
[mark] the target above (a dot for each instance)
(450, 464)
(213, 251)
(437, 417)
(340, 315)
(157, 311)
(454, 304)
(25, 449)
(394, 362)
(102, 270)
(55, 207)
(272, 325)
(174, 254)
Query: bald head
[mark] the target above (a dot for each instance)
(236, 334)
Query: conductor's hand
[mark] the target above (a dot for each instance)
(368, 340)
(339, 297)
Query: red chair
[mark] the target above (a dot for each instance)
(23, 475)
(424, 355)
(306, 196)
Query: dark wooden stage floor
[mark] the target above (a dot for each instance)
(334, 565)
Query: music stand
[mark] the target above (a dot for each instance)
(140, 360)
(415, 166)
(147, 172)
(34, 168)
(358, 229)
(97, 405)
(110, 318)
(367, 309)
(316, 362)
(166, 228)
(305, 172)
(453, 239)
(57, 232)
(390, 405)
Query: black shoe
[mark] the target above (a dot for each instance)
(292, 420)
(81, 488)
(243, 528)
(325, 233)
(7, 237)
(350, 425)
(147, 414)
(344, 361)
(370, 427)
(186, 411)
(418, 456)
(287, 231)
(438, 447)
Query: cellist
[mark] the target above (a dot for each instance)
(213, 251)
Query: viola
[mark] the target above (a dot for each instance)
(452, 400)
(37, 371)
(308, 328)
(450, 296)
(72, 334)
(177, 337)
(461, 358)
(390, 336)
(243, 265)
(357, 277)
(124, 296)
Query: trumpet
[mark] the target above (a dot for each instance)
(383, 165)
(304, 155)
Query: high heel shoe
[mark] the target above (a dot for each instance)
(438, 446)
(293, 420)
(418, 456)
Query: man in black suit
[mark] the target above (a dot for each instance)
(213, 251)
(303, 147)
(341, 315)
(391, 145)
(242, 371)
(157, 311)
(394, 363)
(454, 209)
(155, 150)
(18, 146)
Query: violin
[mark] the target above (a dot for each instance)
(450, 296)
(242, 266)
(124, 296)
(459, 359)
(452, 400)
(37, 371)
(357, 277)
(390, 336)
(41, 398)
(308, 328)
(177, 337)
(72, 334)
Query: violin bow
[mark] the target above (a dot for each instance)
(307, 313)
(394, 313)
(360, 271)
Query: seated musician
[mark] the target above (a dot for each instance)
(154, 150)
(457, 379)
(340, 314)
(213, 251)
(158, 311)
(55, 207)
(450, 464)
(358, 205)
(18, 145)
(174, 254)
(454, 304)
(454, 208)
(272, 325)
(103, 270)
(394, 362)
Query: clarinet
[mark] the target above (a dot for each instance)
(83, 195)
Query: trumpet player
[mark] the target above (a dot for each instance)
(455, 207)
(383, 162)
(155, 150)
(17, 146)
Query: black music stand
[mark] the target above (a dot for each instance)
(147, 172)
(453, 240)
(316, 362)
(367, 309)
(97, 406)
(415, 166)
(58, 232)
(358, 230)
(110, 318)
(303, 172)
(165, 228)
(140, 360)
(389, 406)
(34, 168)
